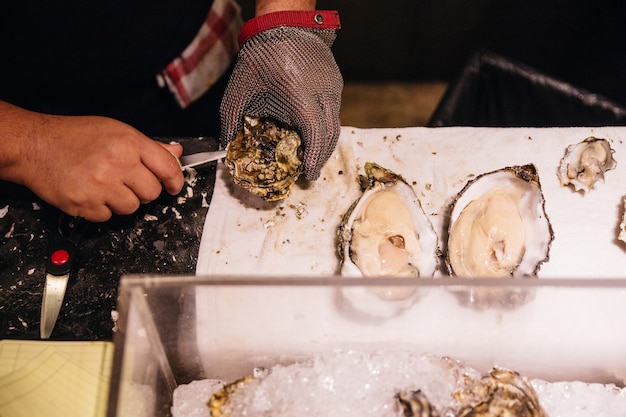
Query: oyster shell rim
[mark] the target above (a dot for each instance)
(268, 191)
(377, 176)
(570, 150)
(528, 173)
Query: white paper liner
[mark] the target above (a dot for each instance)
(244, 235)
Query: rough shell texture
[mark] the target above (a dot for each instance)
(415, 404)
(622, 227)
(585, 163)
(265, 158)
(498, 226)
(219, 402)
(502, 393)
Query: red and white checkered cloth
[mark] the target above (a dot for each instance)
(207, 57)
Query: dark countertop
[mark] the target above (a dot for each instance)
(162, 237)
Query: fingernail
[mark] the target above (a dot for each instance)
(177, 160)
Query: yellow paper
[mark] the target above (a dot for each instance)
(43, 378)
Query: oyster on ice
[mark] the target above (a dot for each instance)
(585, 163)
(502, 393)
(220, 402)
(498, 226)
(415, 404)
(385, 233)
(265, 158)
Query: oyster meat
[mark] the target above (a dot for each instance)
(385, 233)
(585, 163)
(265, 158)
(502, 393)
(498, 226)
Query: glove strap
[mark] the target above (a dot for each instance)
(317, 19)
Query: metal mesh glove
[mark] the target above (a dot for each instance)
(286, 70)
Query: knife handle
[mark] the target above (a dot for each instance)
(60, 257)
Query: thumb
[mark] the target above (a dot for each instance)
(175, 149)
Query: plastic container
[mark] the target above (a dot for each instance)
(494, 91)
(173, 330)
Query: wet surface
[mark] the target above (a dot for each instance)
(162, 237)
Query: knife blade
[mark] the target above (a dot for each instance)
(201, 158)
(64, 238)
(53, 295)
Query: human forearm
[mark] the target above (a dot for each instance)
(18, 128)
(269, 6)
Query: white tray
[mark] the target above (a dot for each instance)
(244, 235)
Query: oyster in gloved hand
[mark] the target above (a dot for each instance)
(286, 70)
(265, 158)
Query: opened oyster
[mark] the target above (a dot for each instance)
(265, 158)
(502, 393)
(385, 233)
(585, 163)
(498, 226)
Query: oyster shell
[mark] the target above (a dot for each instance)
(502, 393)
(385, 233)
(415, 404)
(585, 163)
(621, 235)
(219, 403)
(498, 226)
(265, 158)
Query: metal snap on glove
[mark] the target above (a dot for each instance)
(285, 70)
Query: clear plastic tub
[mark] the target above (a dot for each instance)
(173, 330)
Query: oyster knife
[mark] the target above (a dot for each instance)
(195, 159)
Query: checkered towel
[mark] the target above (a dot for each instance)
(207, 57)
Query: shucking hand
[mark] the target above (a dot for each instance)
(88, 166)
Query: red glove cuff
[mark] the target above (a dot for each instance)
(317, 19)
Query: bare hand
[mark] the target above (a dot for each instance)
(93, 167)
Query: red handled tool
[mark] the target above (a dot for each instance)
(64, 238)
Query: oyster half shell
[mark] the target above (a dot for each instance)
(585, 163)
(498, 226)
(385, 233)
(265, 158)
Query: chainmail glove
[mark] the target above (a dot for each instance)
(285, 70)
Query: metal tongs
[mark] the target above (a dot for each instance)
(65, 234)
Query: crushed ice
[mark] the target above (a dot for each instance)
(362, 384)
